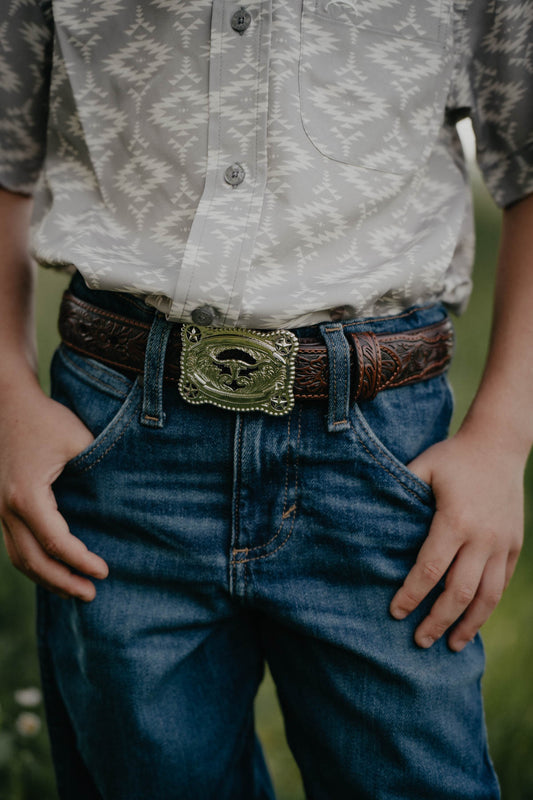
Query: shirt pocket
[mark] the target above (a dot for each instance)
(373, 79)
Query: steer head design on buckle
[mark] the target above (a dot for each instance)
(238, 369)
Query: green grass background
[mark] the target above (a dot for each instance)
(25, 771)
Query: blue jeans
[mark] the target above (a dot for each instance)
(239, 539)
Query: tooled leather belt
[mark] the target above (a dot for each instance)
(378, 360)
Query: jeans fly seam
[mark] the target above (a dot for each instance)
(237, 501)
(282, 523)
(114, 443)
(296, 474)
(383, 467)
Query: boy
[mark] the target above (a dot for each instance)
(267, 208)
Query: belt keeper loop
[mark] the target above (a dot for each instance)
(339, 376)
(152, 414)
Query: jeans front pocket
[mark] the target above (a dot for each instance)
(399, 424)
(374, 80)
(102, 398)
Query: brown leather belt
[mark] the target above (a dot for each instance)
(378, 360)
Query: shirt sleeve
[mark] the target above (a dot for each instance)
(499, 74)
(26, 34)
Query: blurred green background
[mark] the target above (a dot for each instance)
(25, 771)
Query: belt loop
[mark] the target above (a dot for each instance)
(152, 414)
(339, 375)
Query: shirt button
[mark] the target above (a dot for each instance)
(241, 20)
(234, 175)
(203, 315)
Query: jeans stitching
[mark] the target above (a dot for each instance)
(346, 357)
(334, 379)
(346, 353)
(159, 410)
(275, 536)
(237, 501)
(347, 372)
(114, 424)
(380, 464)
(296, 475)
(115, 442)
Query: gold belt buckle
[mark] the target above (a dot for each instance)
(238, 369)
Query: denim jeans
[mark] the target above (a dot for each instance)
(235, 539)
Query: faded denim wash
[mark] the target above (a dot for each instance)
(239, 539)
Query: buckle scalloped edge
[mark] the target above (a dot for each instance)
(238, 369)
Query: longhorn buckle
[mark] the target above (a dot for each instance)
(238, 369)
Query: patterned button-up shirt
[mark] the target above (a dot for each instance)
(274, 163)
